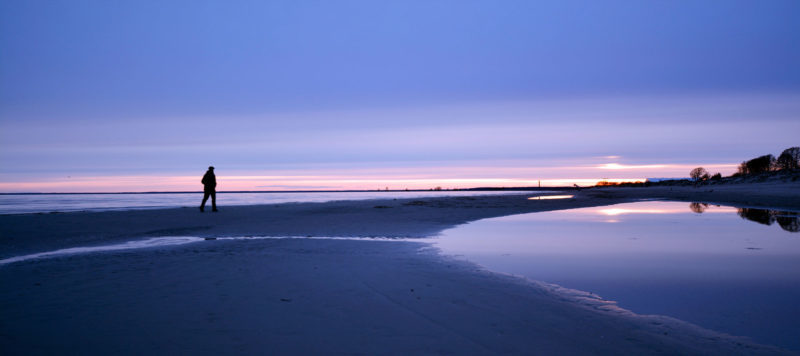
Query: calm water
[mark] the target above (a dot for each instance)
(727, 269)
(35, 203)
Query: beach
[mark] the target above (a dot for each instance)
(767, 195)
(399, 177)
(336, 277)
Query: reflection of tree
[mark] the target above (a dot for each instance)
(761, 216)
(698, 207)
(789, 221)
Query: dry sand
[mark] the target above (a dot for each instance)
(290, 296)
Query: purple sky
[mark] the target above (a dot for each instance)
(142, 96)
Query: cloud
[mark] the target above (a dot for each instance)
(624, 166)
(287, 187)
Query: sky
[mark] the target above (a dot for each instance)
(105, 96)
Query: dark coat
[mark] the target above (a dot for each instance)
(209, 181)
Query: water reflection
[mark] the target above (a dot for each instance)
(620, 211)
(787, 220)
(711, 267)
(546, 197)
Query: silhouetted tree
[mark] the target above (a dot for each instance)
(717, 176)
(742, 170)
(698, 207)
(698, 173)
(760, 164)
(789, 159)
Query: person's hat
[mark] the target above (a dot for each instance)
(211, 167)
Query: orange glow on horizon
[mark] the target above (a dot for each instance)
(277, 183)
(504, 174)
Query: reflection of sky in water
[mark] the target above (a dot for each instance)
(549, 197)
(715, 268)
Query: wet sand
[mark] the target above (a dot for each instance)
(306, 296)
(777, 195)
(416, 218)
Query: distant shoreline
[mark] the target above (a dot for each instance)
(775, 194)
(480, 189)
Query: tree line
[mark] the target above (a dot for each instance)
(788, 160)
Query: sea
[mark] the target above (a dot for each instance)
(71, 202)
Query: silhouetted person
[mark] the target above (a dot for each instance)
(209, 189)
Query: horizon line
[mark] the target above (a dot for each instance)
(307, 191)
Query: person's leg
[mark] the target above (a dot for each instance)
(205, 198)
(213, 201)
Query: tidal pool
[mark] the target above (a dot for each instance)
(728, 269)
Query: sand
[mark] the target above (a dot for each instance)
(416, 218)
(774, 195)
(311, 295)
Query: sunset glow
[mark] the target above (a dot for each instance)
(285, 183)
(494, 174)
(354, 179)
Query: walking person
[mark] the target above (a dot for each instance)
(209, 189)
